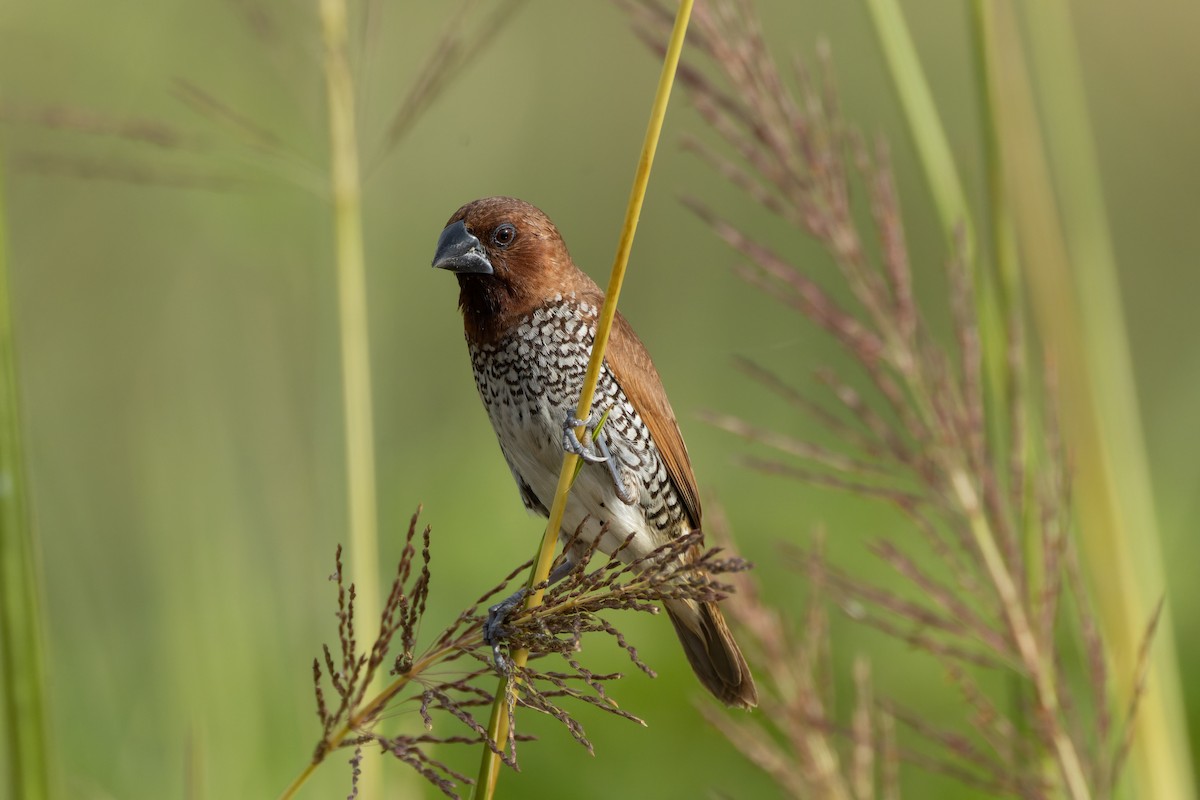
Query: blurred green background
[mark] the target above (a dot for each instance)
(179, 356)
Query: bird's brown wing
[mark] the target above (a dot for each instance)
(630, 364)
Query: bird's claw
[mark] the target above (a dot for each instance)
(597, 453)
(587, 449)
(493, 627)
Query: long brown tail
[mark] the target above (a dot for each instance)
(712, 652)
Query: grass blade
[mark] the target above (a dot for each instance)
(21, 660)
(346, 196)
(941, 175)
(924, 123)
(352, 298)
(1115, 492)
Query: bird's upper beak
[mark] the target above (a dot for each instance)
(459, 251)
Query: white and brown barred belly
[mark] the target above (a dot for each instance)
(529, 380)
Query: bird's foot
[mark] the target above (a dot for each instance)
(493, 627)
(589, 449)
(594, 449)
(494, 631)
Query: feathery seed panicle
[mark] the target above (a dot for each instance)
(920, 438)
(571, 609)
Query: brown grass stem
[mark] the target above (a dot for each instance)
(498, 726)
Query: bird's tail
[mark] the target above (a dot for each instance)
(712, 652)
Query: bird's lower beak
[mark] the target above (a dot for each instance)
(459, 251)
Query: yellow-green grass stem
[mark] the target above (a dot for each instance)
(1001, 236)
(21, 654)
(997, 304)
(946, 187)
(346, 200)
(1025, 460)
(352, 306)
(1121, 545)
(498, 727)
(920, 112)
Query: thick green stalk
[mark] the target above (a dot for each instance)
(1084, 330)
(21, 664)
(1115, 493)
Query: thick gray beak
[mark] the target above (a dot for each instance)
(459, 251)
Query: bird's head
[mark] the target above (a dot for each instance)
(509, 259)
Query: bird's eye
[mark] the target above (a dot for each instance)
(504, 235)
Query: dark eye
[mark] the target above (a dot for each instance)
(504, 235)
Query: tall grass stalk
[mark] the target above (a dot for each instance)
(924, 123)
(498, 725)
(346, 198)
(1022, 448)
(945, 185)
(1100, 407)
(352, 305)
(1002, 255)
(21, 663)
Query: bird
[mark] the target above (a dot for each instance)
(530, 315)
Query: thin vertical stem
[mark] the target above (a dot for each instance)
(1084, 329)
(498, 727)
(21, 659)
(1115, 493)
(346, 197)
(1038, 664)
(1002, 239)
(923, 120)
(352, 307)
(1018, 401)
(942, 177)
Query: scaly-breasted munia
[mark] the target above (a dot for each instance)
(530, 316)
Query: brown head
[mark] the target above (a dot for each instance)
(509, 259)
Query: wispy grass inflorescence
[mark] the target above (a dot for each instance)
(350, 718)
(223, 147)
(986, 582)
(795, 737)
